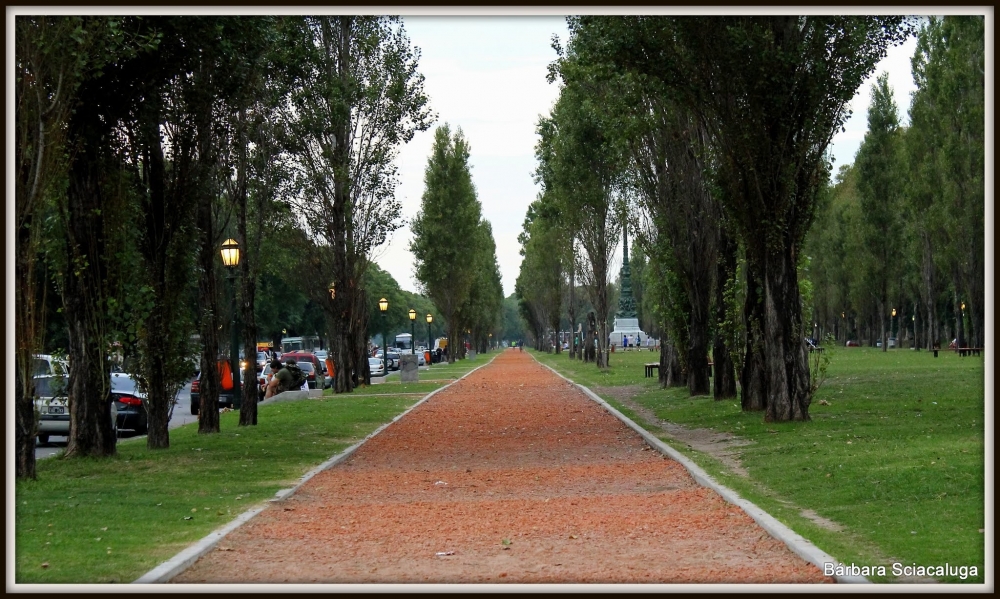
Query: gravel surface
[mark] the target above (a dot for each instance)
(509, 475)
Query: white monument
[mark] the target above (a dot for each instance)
(626, 322)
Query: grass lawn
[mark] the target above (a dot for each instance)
(113, 520)
(894, 452)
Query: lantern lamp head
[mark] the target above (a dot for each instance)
(383, 305)
(230, 253)
(413, 314)
(430, 319)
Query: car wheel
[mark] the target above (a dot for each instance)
(194, 408)
(43, 439)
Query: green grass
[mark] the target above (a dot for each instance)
(112, 520)
(897, 457)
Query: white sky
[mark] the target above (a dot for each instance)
(486, 74)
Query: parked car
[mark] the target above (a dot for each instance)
(262, 360)
(47, 364)
(262, 379)
(226, 394)
(52, 405)
(129, 405)
(322, 354)
(852, 343)
(128, 410)
(392, 360)
(376, 366)
(305, 356)
(309, 369)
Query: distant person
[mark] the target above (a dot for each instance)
(281, 380)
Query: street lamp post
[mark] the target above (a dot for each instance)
(231, 259)
(430, 319)
(413, 336)
(383, 306)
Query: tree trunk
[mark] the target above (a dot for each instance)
(572, 307)
(25, 427)
(881, 324)
(959, 324)
(157, 404)
(786, 358)
(674, 374)
(154, 343)
(248, 378)
(724, 370)
(30, 310)
(91, 431)
(699, 383)
(208, 300)
(752, 383)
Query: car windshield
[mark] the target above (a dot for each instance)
(306, 366)
(41, 367)
(50, 386)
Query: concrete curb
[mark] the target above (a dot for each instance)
(183, 560)
(796, 542)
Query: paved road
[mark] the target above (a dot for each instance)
(511, 475)
(182, 415)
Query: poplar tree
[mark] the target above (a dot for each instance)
(444, 230)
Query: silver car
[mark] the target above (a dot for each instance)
(52, 405)
(376, 366)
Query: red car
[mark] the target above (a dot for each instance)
(852, 344)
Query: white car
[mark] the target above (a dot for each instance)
(376, 366)
(128, 410)
(392, 362)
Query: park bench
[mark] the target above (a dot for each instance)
(651, 366)
(969, 351)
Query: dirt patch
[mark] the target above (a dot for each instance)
(721, 446)
(510, 475)
(821, 521)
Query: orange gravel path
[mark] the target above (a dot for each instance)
(509, 475)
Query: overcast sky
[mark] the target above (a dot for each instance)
(487, 75)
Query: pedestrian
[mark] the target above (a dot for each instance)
(281, 380)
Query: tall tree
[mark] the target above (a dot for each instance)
(771, 91)
(49, 64)
(541, 275)
(879, 186)
(449, 216)
(671, 156)
(580, 163)
(89, 270)
(949, 108)
(358, 97)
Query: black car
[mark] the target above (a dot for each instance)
(309, 370)
(132, 416)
